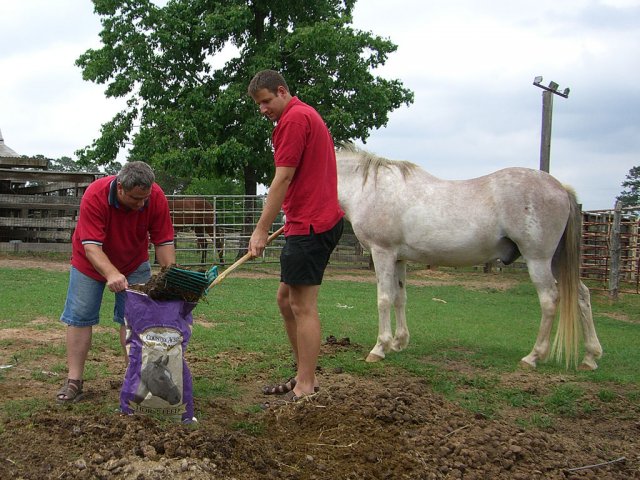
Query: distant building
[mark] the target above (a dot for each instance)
(4, 150)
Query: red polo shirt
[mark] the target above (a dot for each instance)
(122, 233)
(302, 140)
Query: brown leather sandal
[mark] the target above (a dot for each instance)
(285, 387)
(71, 391)
(282, 388)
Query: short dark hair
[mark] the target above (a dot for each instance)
(269, 79)
(136, 174)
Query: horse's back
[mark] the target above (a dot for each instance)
(196, 213)
(457, 222)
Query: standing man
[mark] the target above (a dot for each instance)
(118, 216)
(305, 186)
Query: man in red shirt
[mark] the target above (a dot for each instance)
(110, 246)
(305, 186)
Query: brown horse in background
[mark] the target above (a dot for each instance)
(198, 215)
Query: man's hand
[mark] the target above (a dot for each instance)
(117, 282)
(258, 242)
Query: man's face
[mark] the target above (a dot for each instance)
(271, 105)
(135, 198)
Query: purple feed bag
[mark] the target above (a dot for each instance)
(157, 380)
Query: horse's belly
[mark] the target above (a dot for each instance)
(450, 252)
(458, 258)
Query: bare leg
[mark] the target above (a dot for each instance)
(78, 345)
(304, 305)
(287, 316)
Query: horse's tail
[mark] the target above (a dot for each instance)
(568, 258)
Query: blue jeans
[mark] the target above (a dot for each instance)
(84, 297)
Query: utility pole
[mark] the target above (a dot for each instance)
(547, 111)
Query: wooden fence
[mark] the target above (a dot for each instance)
(611, 249)
(38, 207)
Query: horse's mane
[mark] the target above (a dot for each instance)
(370, 163)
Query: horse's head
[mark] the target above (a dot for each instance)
(157, 378)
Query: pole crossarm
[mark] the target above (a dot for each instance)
(553, 87)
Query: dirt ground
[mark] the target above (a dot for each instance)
(382, 427)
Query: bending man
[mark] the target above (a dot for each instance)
(118, 216)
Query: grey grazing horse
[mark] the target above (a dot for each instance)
(402, 213)
(156, 378)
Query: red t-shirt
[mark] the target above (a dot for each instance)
(123, 233)
(302, 140)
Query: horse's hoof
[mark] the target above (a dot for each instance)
(372, 358)
(587, 366)
(526, 365)
(399, 346)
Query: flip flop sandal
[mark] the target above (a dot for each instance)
(282, 388)
(285, 387)
(71, 392)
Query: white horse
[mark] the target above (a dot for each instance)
(402, 213)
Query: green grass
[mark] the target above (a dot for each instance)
(239, 331)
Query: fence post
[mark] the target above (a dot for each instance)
(614, 252)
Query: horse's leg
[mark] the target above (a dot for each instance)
(220, 248)
(201, 241)
(592, 347)
(401, 338)
(545, 283)
(384, 262)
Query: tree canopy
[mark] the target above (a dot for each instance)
(67, 164)
(184, 68)
(630, 196)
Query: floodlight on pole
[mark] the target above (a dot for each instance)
(547, 110)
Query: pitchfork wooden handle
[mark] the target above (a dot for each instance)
(245, 257)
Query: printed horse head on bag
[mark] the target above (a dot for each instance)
(156, 379)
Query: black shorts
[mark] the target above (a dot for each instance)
(304, 258)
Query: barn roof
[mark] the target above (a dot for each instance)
(4, 150)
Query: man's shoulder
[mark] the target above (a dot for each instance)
(302, 114)
(101, 182)
(97, 187)
(298, 105)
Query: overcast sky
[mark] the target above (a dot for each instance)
(471, 65)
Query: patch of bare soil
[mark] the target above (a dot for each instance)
(382, 427)
(385, 426)
(23, 262)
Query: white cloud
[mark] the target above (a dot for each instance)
(471, 66)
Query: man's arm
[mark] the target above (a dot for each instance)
(116, 281)
(275, 198)
(165, 255)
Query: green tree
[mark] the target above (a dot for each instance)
(188, 117)
(67, 164)
(630, 196)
